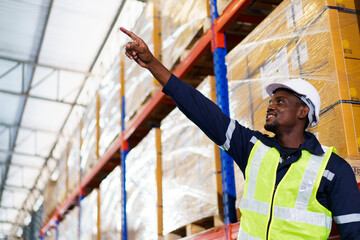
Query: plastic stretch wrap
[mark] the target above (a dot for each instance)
(141, 190)
(62, 182)
(221, 5)
(189, 175)
(74, 161)
(111, 206)
(50, 203)
(88, 135)
(298, 39)
(110, 111)
(181, 21)
(88, 217)
(68, 227)
(139, 84)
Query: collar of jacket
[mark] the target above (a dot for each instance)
(311, 144)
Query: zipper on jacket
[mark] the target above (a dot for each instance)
(270, 214)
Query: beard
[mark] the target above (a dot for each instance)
(272, 127)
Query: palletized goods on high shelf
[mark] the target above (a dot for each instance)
(189, 177)
(181, 21)
(68, 227)
(56, 191)
(100, 123)
(306, 39)
(73, 161)
(110, 205)
(85, 217)
(88, 218)
(110, 107)
(141, 205)
(50, 198)
(89, 135)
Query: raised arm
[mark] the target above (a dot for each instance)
(140, 53)
(198, 108)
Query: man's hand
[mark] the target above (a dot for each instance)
(140, 53)
(137, 50)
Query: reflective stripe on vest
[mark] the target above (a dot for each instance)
(309, 171)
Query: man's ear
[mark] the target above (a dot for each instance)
(303, 112)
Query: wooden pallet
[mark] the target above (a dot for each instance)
(195, 227)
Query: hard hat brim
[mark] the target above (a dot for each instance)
(273, 86)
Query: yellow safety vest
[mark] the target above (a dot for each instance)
(290, 210)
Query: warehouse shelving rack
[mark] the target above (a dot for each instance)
(156, 109)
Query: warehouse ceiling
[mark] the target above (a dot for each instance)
(48, 52)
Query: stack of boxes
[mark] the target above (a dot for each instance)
(73, 161)
(181, 24)
(302, 39)
(89, 136)
(110, 107)
(141, 188)
(191, 183)
(62, 182)
(68, 227)
(88, 217)
(139, 84)
(50, 197)
(190, 166)
(110, 206)
(181, 21)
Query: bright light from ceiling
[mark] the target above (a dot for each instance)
(27, 219)
(38, 203)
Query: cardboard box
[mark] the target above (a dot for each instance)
(189, 170)
(299, 39)
(181, 20)
(142, 190)
(139, 83)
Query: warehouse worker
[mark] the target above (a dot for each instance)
(293, 185)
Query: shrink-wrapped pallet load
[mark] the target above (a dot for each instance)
(73, 163)
(182, 24)
(110, 111)
(50, 202)
(141, 187)
(88, 218)
(89, 138)
(139, 84)
(68, 227)
(110, 207)
(296, 40)
(302, 39)
(62, 182)
(181, 21)
(189, 170)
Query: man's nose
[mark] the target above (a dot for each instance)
(271, 106)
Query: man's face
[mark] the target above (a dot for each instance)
(282, 112)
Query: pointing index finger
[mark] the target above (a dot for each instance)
(129, 33)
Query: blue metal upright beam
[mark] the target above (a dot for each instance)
(123, 191)
(124, 152)
(218, 47)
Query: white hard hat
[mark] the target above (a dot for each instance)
(305, 91)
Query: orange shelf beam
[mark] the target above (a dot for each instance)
(230, 14)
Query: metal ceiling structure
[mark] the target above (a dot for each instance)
(50, 51)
